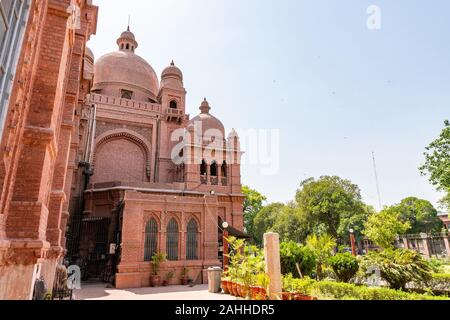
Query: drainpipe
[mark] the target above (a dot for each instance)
(157, 153)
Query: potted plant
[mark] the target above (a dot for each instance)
(224, 285)
(262, 282)
(157, 260)
(168, 278)
(288, 287)
(184, 276)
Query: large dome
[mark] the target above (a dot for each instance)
(125, 70)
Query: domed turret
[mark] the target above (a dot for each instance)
(172, 77)
(127, 41)
(125, 71)
(210, 124)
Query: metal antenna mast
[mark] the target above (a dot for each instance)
(376, 180)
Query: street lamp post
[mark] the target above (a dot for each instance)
(225, 246)
(353, 241)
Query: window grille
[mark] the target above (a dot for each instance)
(172, 240)
(192, 241)
(151, 240)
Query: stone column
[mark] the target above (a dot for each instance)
(405, 243)
(426, 248)
(273, 264)
(447, 245)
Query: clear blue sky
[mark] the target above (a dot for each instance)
(312, 69)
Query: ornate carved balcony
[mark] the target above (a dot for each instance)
(204, 179)
(214, 181)
(174, 115)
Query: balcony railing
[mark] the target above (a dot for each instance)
(214, 181)
(174, 114)
(224, 181)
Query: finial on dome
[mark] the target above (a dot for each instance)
(172, 63)
(205, 108)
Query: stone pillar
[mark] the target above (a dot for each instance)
(447, 245)
(426, 248)
(405, 243)
(273, 264)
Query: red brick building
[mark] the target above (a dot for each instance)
(150, 179)
(92, 152)
(43, 85)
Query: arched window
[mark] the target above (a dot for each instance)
(173, 104)
(128, 46)
(203, 168)
(151, 240)
(214, 169)
(192, 241)
(224, 169)
(172, 240)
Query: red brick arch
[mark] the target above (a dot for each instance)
(129, 135)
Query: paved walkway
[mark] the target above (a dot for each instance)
(101, 292)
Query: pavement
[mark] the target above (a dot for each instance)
(100, 291)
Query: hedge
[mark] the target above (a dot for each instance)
(329, 290)
(439, 283)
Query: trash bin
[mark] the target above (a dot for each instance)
(214, 278)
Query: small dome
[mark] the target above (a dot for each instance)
(172, 77)
(208, 121)
(172, 71)
(127, 41)
(128, 35)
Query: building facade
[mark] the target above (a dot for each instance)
(149, 179)
(43, 84)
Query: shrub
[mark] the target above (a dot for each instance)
(344, 265)
(398, 267)
(438, 284)
(344, 291)
(292, 253)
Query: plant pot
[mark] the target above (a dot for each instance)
(155, 281)
(224, 286)
(234, 289)
(239, 290)
(230, 287)
(245, 292)
(301, 297)
(286, 296)
(184, 281)
(254, 292)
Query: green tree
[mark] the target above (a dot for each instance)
(421, 215)
(437, 161)
(265, 220)
(253, 203)
(323, 248)
(331, 205)
(383, 228)
(288, 224)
